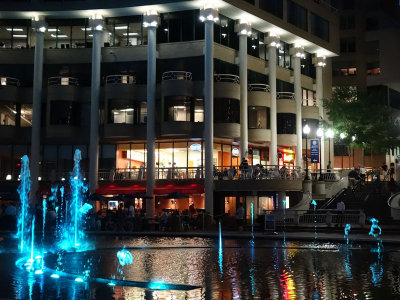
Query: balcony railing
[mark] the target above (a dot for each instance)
(226, 78)
(120, 79)
(258, 87)
(62, 81)
(309, 102)
(285, 95)
(9, 81)
(177, 75)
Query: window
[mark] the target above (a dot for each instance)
(309, 98)
(347, 22)
(122, 115)
(283, 86)
(199, 110)
(274, 7)
(226, 110)
(64, 113)
(348, 44)
(297, 15)
(179, 108)
(26, 115)
(373, 68)
(8, 114)
(348, 4)
(259, 117)
(371, 23)
(286, 123)
(14, 34)
(319, 27)
(351, 71)
(124, 31)
(372, 47)
(125, 112)
(283, 56)
(307, 67)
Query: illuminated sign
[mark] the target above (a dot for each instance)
(288, 157)
(235, 151)
(195, 147)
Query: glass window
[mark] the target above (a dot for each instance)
(347, 22)
(283, 56)
(348, 44)
(188, 21)
(121, 112)
(80, 31)
(199, 110)
(194, 154)
(372, 23)
(143, 112)
(165, 160)
(26, 115)
(64, 113)
(180, 156)
(65, 158)
(319, 27)
(286, 123)
(107, 156)
(5, 161)
(14, 33)
(297, 15)
(130, 156)
(8, 114)
(372, 47)
(226, 110)
(258, 117)
(178, 108)
(348, 4)
(373, 68)
(273, 6)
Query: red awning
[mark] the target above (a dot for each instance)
(183, 189)
(120, 189)
(159, 190)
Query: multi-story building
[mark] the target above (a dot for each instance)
(369, 45)
(165, 96)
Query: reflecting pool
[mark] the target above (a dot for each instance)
(265, 271)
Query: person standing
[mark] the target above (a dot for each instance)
(340, 207)
(240, 217)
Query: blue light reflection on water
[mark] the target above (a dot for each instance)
(323, 270)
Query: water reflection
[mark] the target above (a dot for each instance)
(265, 271)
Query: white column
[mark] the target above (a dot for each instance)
(272, 42)
(209, 16)
(319, 63)
(97, 25)
(40, 28)
(151, 20)
(244, 30)
(297, 54)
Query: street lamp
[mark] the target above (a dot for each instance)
(320, 133)
(329, 134)
(342, 136)
(306, 131)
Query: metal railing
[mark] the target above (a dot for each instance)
(226, 78)
(309, 102)
(258, 87)
(120, 79)
(285, 95)
(9, 81)
(256, 172)
(327, 175)
(177, 75)
(60, 80)
(321, 217)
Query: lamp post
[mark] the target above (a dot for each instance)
(320, 133)
(329, 134)
(342, 136)
(306, 131)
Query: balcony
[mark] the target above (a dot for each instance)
(9, 89)
(309, 109)
(177, 83)
(226, 86)
(120, 86)
(62, 88)
(285, 102)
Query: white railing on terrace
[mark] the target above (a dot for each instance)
(321, 217)
(120, 79)
(177, 75)
(9, 81)
(258, 87)
(60, 80)
(285, 95)
(309, 102)
(226, 78)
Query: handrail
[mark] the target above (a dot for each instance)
(61, 80)
(258, 87)
(309, 103)
(333, 198)
(122, 79)
(226, 78)
(389, 202)
(9, 81)
(285, 95)
(177, 75)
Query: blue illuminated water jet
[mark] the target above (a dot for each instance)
(376, 232)
(124, 257)
(346, 233)
(314, 203)
(220, 252)
(23, 191)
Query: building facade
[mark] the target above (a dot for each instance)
(369, 45)
(166, 97)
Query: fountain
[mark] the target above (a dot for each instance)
(23, 217)
(346, 233)
(314, 203)
(220, 253)
(376, 232)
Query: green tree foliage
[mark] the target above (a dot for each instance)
(364, 116)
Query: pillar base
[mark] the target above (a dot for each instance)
(320, 187)
(307, 186)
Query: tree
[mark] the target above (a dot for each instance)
(365, 119)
